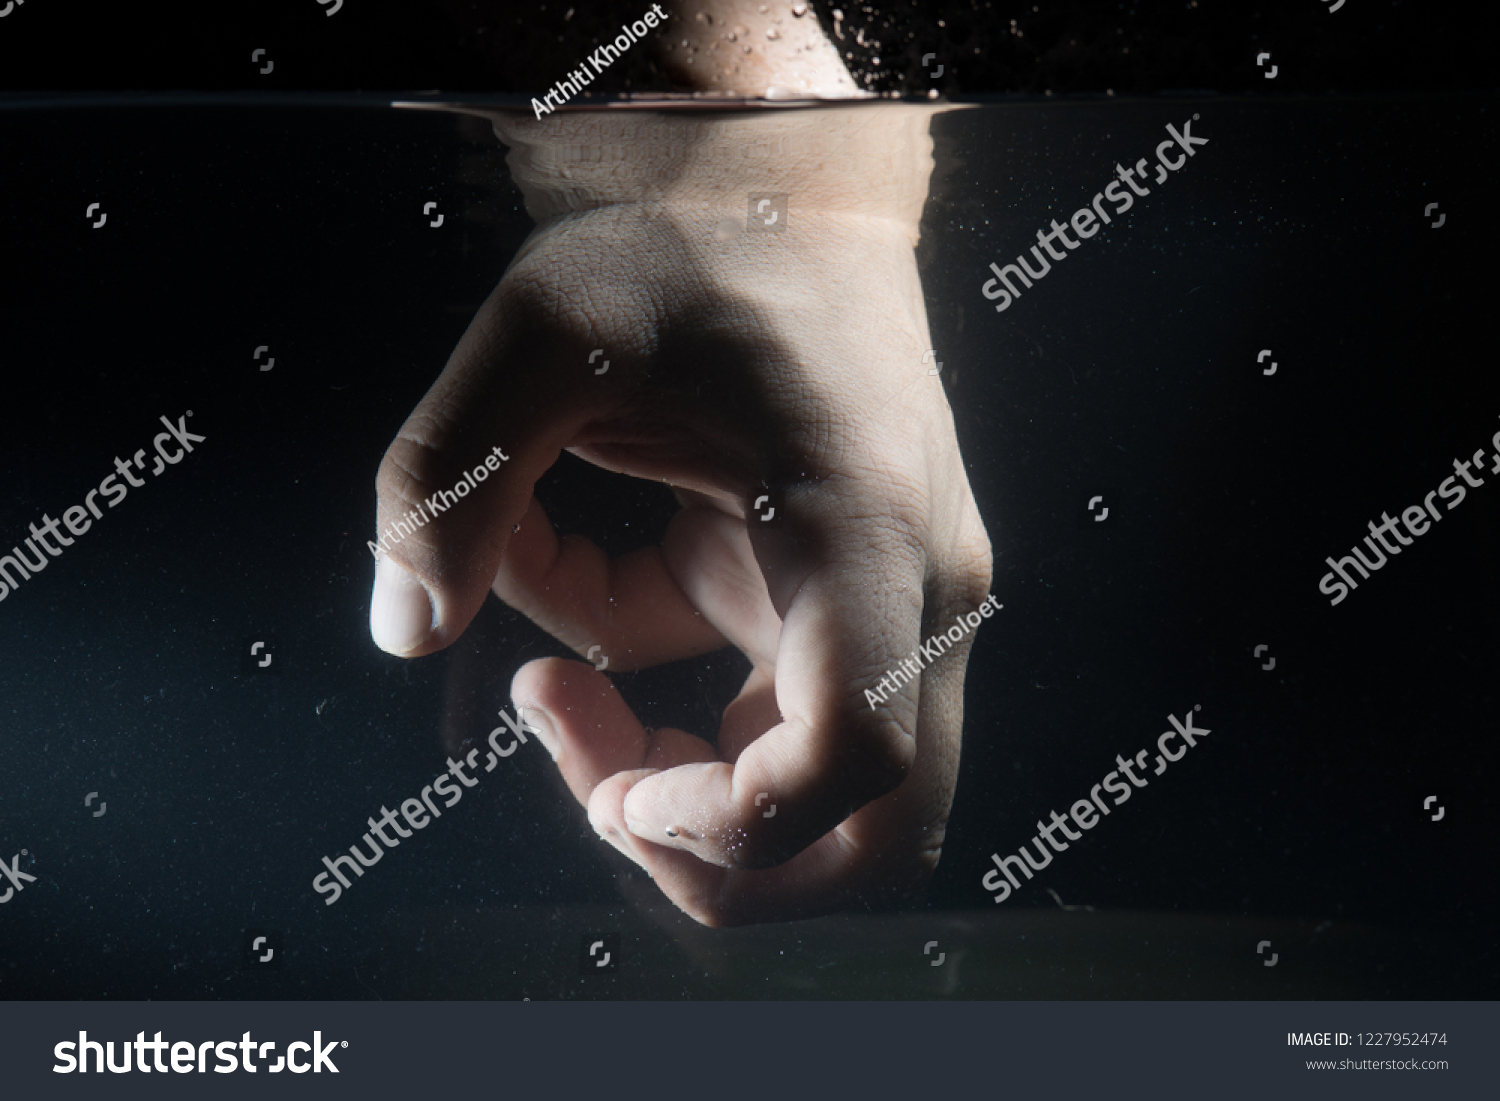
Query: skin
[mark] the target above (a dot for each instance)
(742, 363)
(732, 46)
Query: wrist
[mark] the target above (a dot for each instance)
(871, 162)
(751, 48)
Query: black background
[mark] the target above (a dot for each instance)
(985, 47)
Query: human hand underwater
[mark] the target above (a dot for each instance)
(742, 363)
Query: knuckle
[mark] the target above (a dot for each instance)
(871, 758)
(567, 290)
(545, 295)
(901, 517)
(420, 461)
(962, 582)
(409, 472)
(975, 575)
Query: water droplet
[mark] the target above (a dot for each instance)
(772, 33)
(799, 10)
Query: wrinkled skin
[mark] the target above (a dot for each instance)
(742, 363)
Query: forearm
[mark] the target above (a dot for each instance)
(750, 48)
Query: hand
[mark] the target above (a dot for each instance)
(742, 364)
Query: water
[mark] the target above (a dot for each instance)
(1128, 372)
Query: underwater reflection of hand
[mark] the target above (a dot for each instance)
(745, 361)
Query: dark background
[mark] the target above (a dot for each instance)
(1130, 367)
(985, 47)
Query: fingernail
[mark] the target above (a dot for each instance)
(534, 719)
(401, 614)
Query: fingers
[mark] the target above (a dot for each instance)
(590, 730)
(710, 558)
(459, 475)
(716, 816)
(602, 752)
(851, 588)
(457, 513)
(820, 879)
(631, 608)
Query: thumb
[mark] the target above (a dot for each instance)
(459, 475)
